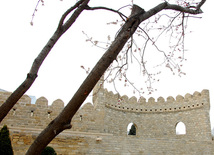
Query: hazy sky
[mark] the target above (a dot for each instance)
(61, 74)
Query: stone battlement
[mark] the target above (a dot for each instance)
(188, 102)
(25, 114)
(26, 100)
(133, 100)
(101, 127)
(115, 101)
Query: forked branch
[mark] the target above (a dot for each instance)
(188, 9)
(63, 120)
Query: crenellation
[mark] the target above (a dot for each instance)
(42, 102)
(160, 100)
(142, 100)
(205, 93)
(132, 100)
(151, 100)
(188, 97)
(35, 115)
(124, 99)
(179, 98)
(196, 95)
(161, 106)
(102, 126)
(170, 99)
(58, 104)
(24, 100)
(112, 97)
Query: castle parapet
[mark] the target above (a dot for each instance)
(180, 103)
(24, 112)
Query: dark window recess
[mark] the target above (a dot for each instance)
(132, 130)
(31, 113)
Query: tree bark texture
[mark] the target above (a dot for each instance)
(63, 120)
(32, 75)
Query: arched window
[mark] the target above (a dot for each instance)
(131, 129)
(180, 128)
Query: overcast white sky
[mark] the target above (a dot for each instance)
(61, 75)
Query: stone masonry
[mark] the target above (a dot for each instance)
(101, 127)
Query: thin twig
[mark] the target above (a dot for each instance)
(31, 22)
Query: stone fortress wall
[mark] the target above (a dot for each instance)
(101, 128)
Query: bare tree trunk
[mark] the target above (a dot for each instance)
(63, 120)
(31, 76)
(17, 94)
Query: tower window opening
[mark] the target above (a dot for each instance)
(80, 117)
(180, 128)
(131, 129)
(49, 114)
(31, 113)
(14, 111)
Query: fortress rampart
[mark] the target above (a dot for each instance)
(156, 119)
(189, 102)
(101, 127)
(25, 114)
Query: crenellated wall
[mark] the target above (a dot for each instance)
(101, 127)
(156, 119)
(25, 114)
(188, 102)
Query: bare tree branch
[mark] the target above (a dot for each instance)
(108, 9)
(187, 9)
(63, 120)
(200, 5)
(36, 9)
(32, 75)
(67, 12)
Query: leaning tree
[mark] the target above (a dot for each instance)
(131, 25)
